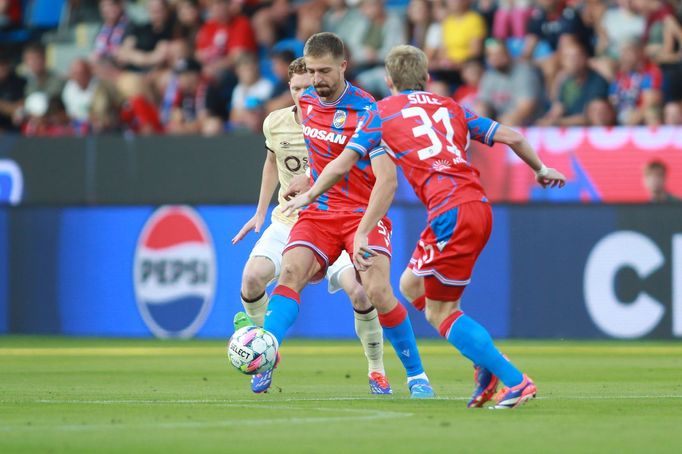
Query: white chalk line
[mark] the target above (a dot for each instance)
(269, 402)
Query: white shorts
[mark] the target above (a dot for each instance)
(271, 246)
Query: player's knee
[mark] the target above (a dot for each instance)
(380, 295)
(408, 289)
(358, 298)
(253, 284)
(434, 316)
(292, 275)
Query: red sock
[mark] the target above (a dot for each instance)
(447, 323)
(394, 317)
(420, 303)
(287, 292)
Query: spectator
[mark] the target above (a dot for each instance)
(340, 18)
(510, 91)
(182, 109)
(110, 38)
(220, 42)
(250, 94)
(105, 109)
(511, 18)
(53, 123)
(672, 113)
(463, 32)
(579, 86)
(225, 36)
(550, 21)
(281, 96)
(468, 93)
(189, 21)
(600, 113)
(145, 46)
(655, 175)
(619, 25)
(373, 35)
(78, 93)
(11, 94)
(38, 76)
(636, 91)
(418, 22)
(662, 33)
(10, 14)
(139, 115)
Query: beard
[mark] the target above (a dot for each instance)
(323, 90)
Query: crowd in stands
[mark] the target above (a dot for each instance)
(213, 66)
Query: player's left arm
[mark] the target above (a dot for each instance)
(329, 176)
(546, 176)
(379, 202)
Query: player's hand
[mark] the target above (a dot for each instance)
(255, 224)
(363, 256)
(298, 185)
(297, 202)
(552, 179)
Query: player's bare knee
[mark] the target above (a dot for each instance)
(380, 295)
(358, 298)
(253, 284)
(434, 316)
(292, 275)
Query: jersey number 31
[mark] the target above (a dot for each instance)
(426, 129)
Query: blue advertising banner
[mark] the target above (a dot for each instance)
(548, 271)
(4, 272)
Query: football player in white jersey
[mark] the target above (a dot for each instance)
(287, 157)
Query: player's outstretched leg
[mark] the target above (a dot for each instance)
(485, 382)
(368, 330)
(298, 267)
(397, 327)
(258, 272)
(474, 342)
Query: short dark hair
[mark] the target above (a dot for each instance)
(297, 67)
(321, 44)
(656, 165)
(35, 46)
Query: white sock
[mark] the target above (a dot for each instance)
(371, 335)
(256, 309)
(414, 377)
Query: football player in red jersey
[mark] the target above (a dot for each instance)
(427, 136)
(346, 207)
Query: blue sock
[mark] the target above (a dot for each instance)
(474, 342)
(398, 331)
(282, 312)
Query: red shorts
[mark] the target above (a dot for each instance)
(448, 249)
(328, 233)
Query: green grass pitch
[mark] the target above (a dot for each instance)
(91, 395)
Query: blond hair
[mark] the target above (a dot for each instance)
(407, 66)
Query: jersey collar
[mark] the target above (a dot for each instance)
(345, 90)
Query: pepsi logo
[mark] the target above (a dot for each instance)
(175, 272)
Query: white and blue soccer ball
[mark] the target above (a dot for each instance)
(252, 350)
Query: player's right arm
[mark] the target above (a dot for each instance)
(544, 175)
(268, 185)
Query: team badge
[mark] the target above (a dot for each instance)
(339, 119)
(175, 272)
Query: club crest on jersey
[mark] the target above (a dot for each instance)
(441, 165)
(339, 119)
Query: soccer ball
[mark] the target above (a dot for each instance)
(252, 350)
